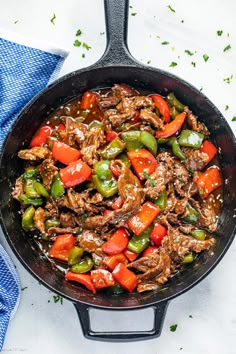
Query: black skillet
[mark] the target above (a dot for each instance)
(115, 66)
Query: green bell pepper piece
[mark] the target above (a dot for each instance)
(188, 258)
(84, 266)
(102, 170)
(191, 214)
(57, 188)
(132, 140)
(199, 234)
(177, 150)
(30, 201)
(107, 188)
(138, 243)
(173, 112)
(30, 190)
(116, 289)
(75, 255)
(96, 124)
(30, 173)
(113, 149)
(40, 189)
(190, 138)
(161, 200)
(162, 141)
(173, 101)
(124, 158)
(149, 141)
(28, 218)
(51, 223)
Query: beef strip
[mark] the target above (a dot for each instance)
(35, 153)
(107, 102)
(195, 159)
(63, 230)
(135, 102)
(74, 132)
(181, 177)
(18, 189)
(67, 220)
(52, 209)
(89, 240)
(94, 139)
(39, 219)
(122, 90)
(47, 171)
(193, 123)
(207, 212)
(117, 119)
(146, 115)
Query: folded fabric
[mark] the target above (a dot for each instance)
(26, 67)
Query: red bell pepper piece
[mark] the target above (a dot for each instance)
(112, 261)
(117, 204)
(60, 127)
(150, 250)
(208, 181)
(41, 136)
(84, 279)
(142, 161)
(158, 233)
(114, 169)
(64, 153)
(172, 127)
(102, 278)
(106, 212)
(110, 135)
(131, 255)
(117, 243)
(89, 100)
(209, 149)
(162, 106)
(147, 214)
(62, 247)
(75, 173)
(125, 277)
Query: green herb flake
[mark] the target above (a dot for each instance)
(173, 64)
(226, 108)
(173, 327)
(193, 63)
(16, 22)
(83, 55)
(149, 61)
(165, 43)
(188, 52)
(77, 43)
(26, 287)
(78, 32)
(152, 182)
(86, 46)
(53, 19)
(234, 119)
(205, 57)
(190, 316)
(228, 47)
(171, 8)
(219, 33)
(84, 216)
(133, 13)
(145, 175)
(201, 191)
(102, 33)
(228, 79)
(58, 298)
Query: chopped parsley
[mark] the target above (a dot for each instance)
(149, 61)
(165, 43)
(133, 13)
(219, 33)
(101, 33)
(53, 19)
(226, 107)
(227, 47)
(205, 57)
(58, 298)
(84, 216)
(190, 316)
(193, 63)
(26, 287)
(228, 79)
(16, 22)
(201, 191)
(78, 32)
(77, 43)
(86, 46)
(83, 55)
(173, 327)
(234, 119)
(173, 64)
(171, 8)
(188, 52)
(151, 180)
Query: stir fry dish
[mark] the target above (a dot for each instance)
(122, 188)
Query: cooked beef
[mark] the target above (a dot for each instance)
(135, 102)
(63, 230)
(67, 220)
(147, 286)
(39, 219)
(117, 119)
(47, 171)
(18, 189)
(35, 153)
(181, 177)
(193, 123)
(150, 117)
(52, 209)
(186, 228)
(107, 102)
(123, 90)
(94, 139)
(74, 132)
(190, 189)
(180, 206)
(89, 241)
(195, 159)
(207, 212)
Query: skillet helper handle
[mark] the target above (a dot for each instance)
(159, 311)
(116, 17)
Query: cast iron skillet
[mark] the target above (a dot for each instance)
(115, 66)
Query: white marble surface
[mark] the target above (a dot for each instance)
(206, 315)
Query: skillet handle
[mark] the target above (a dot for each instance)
(159, 311)
(116, 17)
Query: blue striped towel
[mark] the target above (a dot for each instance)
(26, 67)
